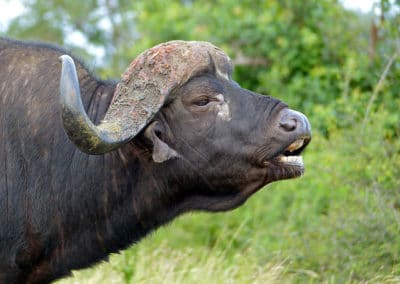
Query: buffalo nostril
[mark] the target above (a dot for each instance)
(294, 122)
(289, 124)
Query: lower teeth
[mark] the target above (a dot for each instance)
(297, 160)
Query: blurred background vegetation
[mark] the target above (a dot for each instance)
(340, 223)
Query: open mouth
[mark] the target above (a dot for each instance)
(292, 154)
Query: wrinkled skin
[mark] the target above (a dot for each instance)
(209, 148)
(229, 158)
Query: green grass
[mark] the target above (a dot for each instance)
(340, 223)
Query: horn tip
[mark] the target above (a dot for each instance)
(64, 58)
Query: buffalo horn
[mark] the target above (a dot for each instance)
(88, 137)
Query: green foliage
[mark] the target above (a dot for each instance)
(340, 223)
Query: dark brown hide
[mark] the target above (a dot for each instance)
(210, 147)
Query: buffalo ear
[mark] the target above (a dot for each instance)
(161, 151)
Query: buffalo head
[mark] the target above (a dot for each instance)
(179, 103)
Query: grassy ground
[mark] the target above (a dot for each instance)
(340, 223)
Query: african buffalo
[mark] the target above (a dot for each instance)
(93, 170)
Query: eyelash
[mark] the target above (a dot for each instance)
(202, 102)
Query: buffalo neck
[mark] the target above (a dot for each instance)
(119, 203)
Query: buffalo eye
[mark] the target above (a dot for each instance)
(203, 101)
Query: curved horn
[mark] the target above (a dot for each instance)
(81, 131)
